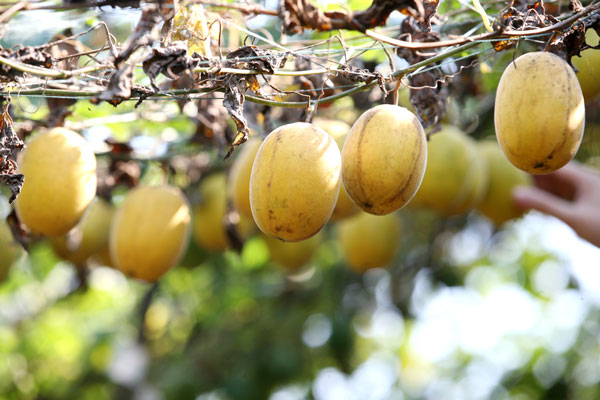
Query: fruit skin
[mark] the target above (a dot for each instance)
(9, 250)
(295, 181)
(369, 241)
(344, 207)
(90, 235)
(292, 255)
(150, 231)
(239, 176)
(383, 160)
(456, 175)
(589, 67)
(497, 203)
(539, 113)
(209, 215)
(60, 182)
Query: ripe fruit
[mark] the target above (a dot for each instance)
(497, 203)
(88, 237)
(338, 131)
(295, 181)
(456, 175)
(589, 67)
(209, 215)
(150, 231)
(9, 250)
(383, 160)
(369, 241)
(292, 255)
(239, 177)
(539, 113)
(60, 182)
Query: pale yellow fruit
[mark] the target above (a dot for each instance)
(209, 215)
(9, 250)
(497, 203)
(383, 160)
(344, 207)
(292, 255)
(369, 241)
(150, 231)
(60, 182)
(239, 177)
(89, 236)
(456, 175)
(589, 67)
(295, 181)
(539, 113)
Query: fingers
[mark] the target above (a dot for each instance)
(538, 199)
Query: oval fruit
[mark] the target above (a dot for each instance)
(344, 207)
(369, 241)
(456, 176)
(209, 215)
(239, 177)
(60, 182)
(292, 255)
(9, 250)
(589, 66)
(383, 160)
(88, 237)
(150, 231)
(539, 113)
(497, 204)
(295, 181)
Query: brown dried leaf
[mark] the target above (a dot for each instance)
(171, 61)
(26, 55)
(10, 144)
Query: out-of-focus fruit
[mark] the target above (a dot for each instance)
(369, 241)
(589, 67)
(344, 207)
(292, 255)
(209, 215)
(295, 181)
(239, 177)
(88, 237)
(539, 112)
(383, 160)
(150, 231)
(456, 175)
(9, 250)
(497, 203)
(60, 181)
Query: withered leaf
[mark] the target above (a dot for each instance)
(171, 61)
(19, 230)
(120, 85)
(235, 95)
(26, 55)
(10, 144)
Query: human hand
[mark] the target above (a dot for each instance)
(571, 194)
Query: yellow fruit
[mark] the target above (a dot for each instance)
(88, 237)
(497, 203)
(209, 215)
(239, 177)
(455, 177)
(539, 113)
(60, 182)
(295, 181)
(344, 207)
(589, 67)
(369, 241)
(292, 255)
(150, 231)
(9, 250)
(383, 160)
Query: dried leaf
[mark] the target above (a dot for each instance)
(171, 61)
(235, 94)
(19, 230)
(120, 85)
(568, 43)
(10, 144)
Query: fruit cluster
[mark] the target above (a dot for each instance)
(301, 176)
